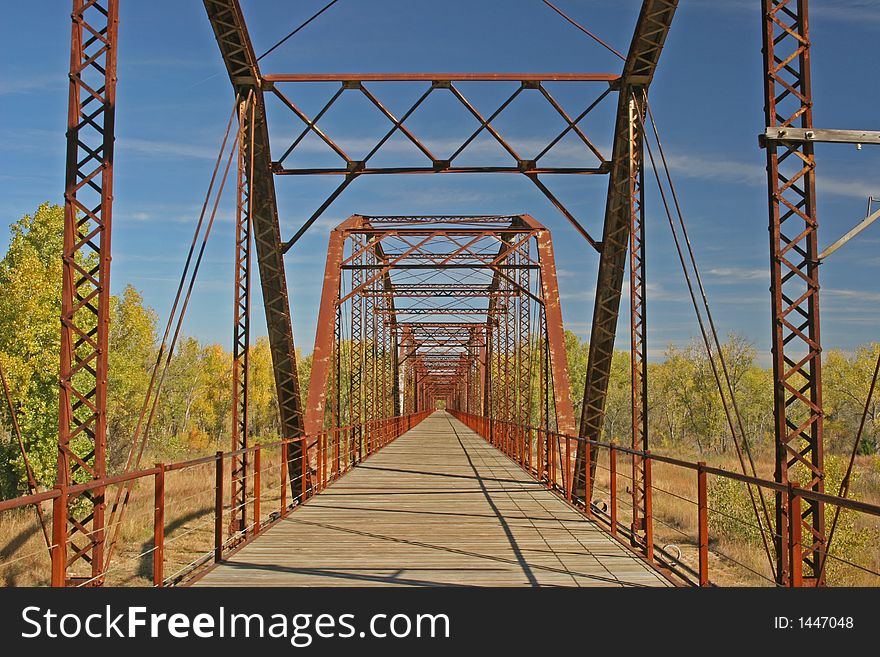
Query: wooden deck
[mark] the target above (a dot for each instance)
(438, 507)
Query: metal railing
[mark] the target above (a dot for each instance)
(329, 455)
(549, 457)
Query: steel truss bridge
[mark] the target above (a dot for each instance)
(438, 443)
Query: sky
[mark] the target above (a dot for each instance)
(174, 100)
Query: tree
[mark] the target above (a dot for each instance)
(576, 350)
(30, 307)
(263, 414)
(847, 380)
(131, 357)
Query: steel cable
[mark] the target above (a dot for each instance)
(711, 356)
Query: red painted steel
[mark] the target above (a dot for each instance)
(703, 523)
(241, 319)
(159, 526)
(218, 507)
(794, 280)
(85, 290)
(641, 63)
(400, 355)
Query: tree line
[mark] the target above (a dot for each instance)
(194, 414)
(685, 408)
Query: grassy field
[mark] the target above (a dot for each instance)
(189, 527)
(737, 553)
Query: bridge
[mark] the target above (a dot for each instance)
(438, 444)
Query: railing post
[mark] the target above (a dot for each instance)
(337, 437)
(322, 460)
(529, 449)
(159, 526)
(588, 484)
(59, 538)
(218, 508)
(539, 454)
(612, 479)
(703, 523)
(795, 530)
(649, 519)
(283, 479)
(257, 488)
(304, 467)
(518, 433)
(569, 470)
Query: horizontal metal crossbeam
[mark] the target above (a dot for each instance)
(807, 135)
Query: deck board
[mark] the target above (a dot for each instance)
(437, 507)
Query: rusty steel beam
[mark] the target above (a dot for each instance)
(794, 286)
(638, 347)
(241, 324)
(649, 37)
(237, 51)
(350, 169)
(324, 351)
(441, 77)
(565, 422)
(415, 362)
(78, 557)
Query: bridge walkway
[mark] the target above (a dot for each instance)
(437, 507)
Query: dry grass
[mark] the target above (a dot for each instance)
(189, 527)
(737, 553)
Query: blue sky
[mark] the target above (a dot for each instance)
(174, 99)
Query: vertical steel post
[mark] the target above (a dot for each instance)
(612, 484)
(241, 320)
(649, 513)
(218, 507)
(588, 483)
(794, 279)
(703, 523)
(283, 479)
(257, 489)
(159, 526)
(795, 538)
(58, 550)
(638, 326)
(85, 292)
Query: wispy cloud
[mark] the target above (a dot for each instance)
(841, 294)
(31, 84)
(154, 147)
(738, 274)
(705, 167)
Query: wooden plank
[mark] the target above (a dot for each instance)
(438, 507)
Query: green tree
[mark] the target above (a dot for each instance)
(576, 350)
(131, 357)
(847, 380)
(30, 306)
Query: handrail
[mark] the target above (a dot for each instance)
(318, 471)
(515, 440)
(843, 502)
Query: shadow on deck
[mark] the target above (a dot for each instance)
(438, 507)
